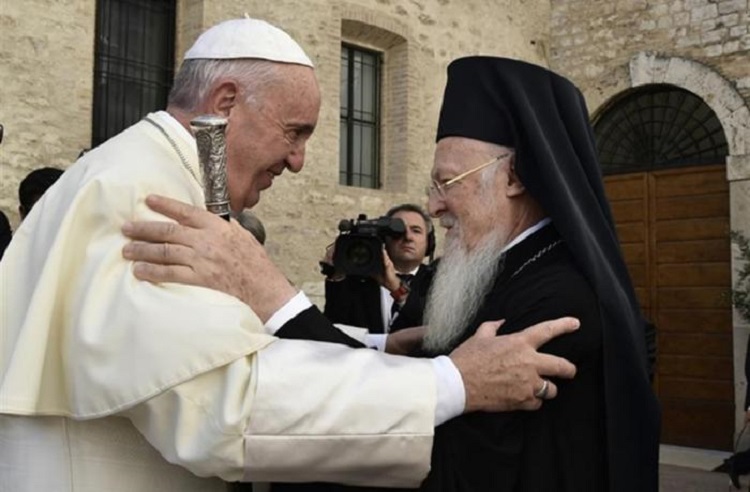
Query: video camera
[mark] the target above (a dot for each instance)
(359, 247)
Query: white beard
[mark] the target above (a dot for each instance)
(461, 283)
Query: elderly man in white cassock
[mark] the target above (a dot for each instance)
(111, 383)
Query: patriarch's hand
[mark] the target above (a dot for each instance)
(405, 341)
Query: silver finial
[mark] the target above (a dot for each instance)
(212, 153)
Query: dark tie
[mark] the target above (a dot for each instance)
(405, 279)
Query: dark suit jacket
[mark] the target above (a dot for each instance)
(356, 301)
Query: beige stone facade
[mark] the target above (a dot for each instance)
(46, 94)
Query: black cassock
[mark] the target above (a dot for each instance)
(543, 116)
(558, 448)
(562, 446)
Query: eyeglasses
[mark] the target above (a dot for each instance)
(440, 188)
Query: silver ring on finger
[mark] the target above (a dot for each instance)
(541, 393)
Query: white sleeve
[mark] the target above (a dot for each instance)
(363, 336)
(300, 411)
(292, 308)
(451, 394)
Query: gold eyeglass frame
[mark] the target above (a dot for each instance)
(440, 188)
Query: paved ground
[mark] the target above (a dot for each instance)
(681, 479)
(688, 470)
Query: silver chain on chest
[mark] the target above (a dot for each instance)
(538, 255)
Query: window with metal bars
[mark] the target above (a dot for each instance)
(658, 126)
(134, 62)
(359, 148)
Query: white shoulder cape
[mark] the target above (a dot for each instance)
(79, 335)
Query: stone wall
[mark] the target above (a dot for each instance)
(46, 81)
(592, 41)
(46, 48)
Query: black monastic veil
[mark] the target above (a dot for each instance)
(544, 117)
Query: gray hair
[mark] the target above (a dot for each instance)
(197, 76)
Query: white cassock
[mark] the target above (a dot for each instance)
(111, 384)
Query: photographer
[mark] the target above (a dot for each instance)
(391, 298)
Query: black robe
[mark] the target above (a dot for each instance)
(560, 447)
(543, 116)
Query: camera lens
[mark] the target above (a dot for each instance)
(359, 254)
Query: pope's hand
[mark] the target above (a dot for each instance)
(506, 372)
(205, 250)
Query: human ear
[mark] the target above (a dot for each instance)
(514, 187)
(224, 97)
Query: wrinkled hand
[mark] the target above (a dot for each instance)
(205, 250)
(502, 373)
(404, 342)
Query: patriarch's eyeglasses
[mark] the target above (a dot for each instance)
(439, 189)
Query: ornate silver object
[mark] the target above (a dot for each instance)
(212, 153)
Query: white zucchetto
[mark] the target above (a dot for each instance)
(247, 38)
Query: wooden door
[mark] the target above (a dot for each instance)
(673, 226)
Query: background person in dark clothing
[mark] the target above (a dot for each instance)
(5, 233)
(33, 187)
(739, 463)
(252, 224)
(397, 300)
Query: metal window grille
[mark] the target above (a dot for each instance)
(360, 118)
(657, 127)
(134, 62)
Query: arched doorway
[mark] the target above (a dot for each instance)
(663, 152)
